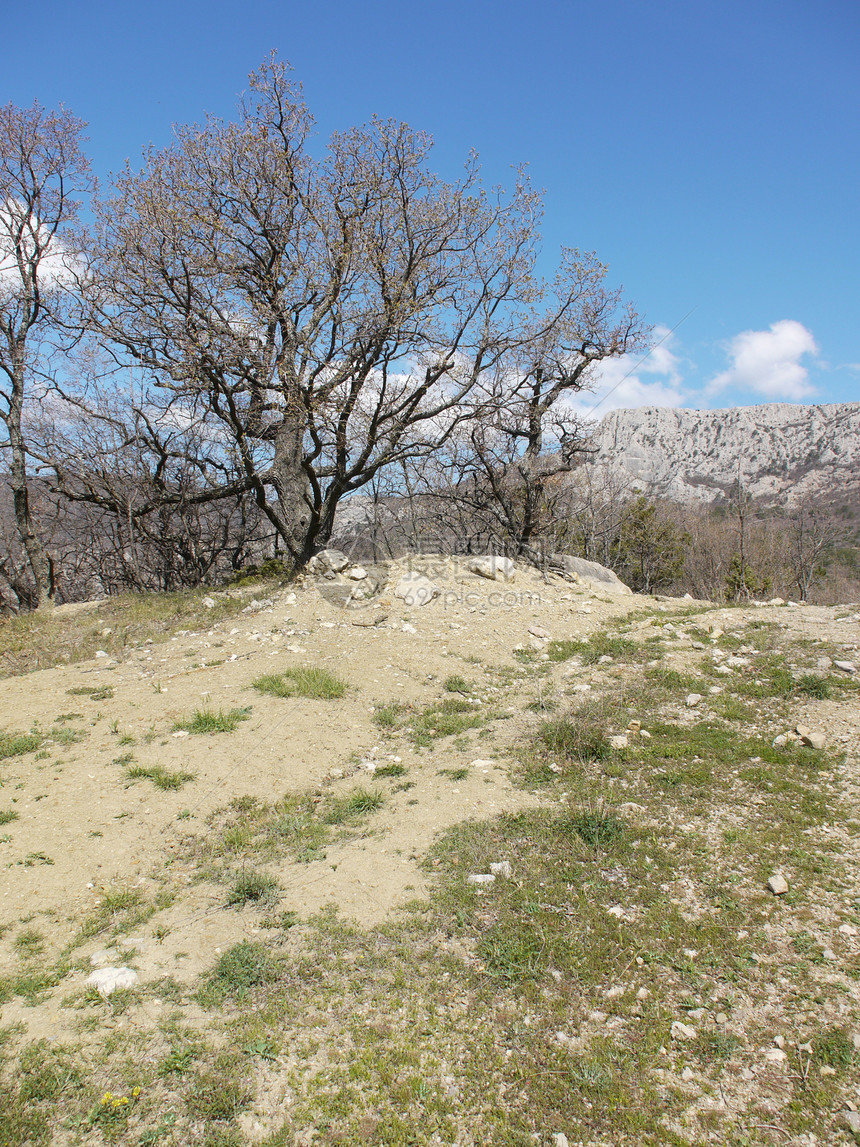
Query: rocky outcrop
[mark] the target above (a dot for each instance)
(781, 452)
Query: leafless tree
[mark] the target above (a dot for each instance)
(333, 317)
(42, 171)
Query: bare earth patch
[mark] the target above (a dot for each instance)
(285, 869)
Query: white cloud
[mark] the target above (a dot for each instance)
(769, 362)
(618, 383)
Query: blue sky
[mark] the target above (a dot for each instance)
(707, 150)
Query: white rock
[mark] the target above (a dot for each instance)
(501, 868)
(618, 741)
(481, 764)
(101, 653)
(829, 954)
(693, 700)
(778, 884)
(407, 628)
(208, 602)
(289, 599)
(560, 1139)
(723, 670)
(850, 1120)
(845, 666)
(682, 1031)
(539, 632)
(847, 929)
(108, 980)
(775, 1055)
(814, 740)
(356, 573)
(481, 878)
(493, 566)
(687, 1074)
(415, 589)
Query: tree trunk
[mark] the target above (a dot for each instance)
(295, 519)
(39, 561)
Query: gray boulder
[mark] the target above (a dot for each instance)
(579, 569)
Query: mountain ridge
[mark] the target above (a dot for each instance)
(779, 451)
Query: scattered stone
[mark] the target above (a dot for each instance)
(779, 741)
(693, 700)
(108, 980)
(642, 994)
(539, 632)
(850, 1120)
(501, 868)
(102, 957)
(289, 599)
(802, 731)
(371, 622)
(687, 1074)
(101, 653)
(328, 562)
(775, 1055)
(845, 666)
(814, 740)
(493, 566)
(778, 884)
(407, 628)
(644, 733)
(356, 573)
(634, 727)
(560, 1139)
(723, 670)
(481, 878)
(415, 589)
(681, 1031)
(722, 1018)
(829, 954)
(480, 764)
(847, 929)
(618, 741)
(208, 602)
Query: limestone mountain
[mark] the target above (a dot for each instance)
(780, 452)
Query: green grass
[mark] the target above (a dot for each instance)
(253, 888)
(17, 744)
(591, 649)
(388, 716)
(577, 738)
(162, 778)
(448, 718)
(311, 682)
(7, 816)
(237, 972)
(94, 692)
(355, 806)
(208, 721)
(457, 684)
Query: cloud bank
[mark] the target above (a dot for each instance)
(769, 362)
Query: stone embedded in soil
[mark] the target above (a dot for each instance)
(416, 589)
(814, 740)
(845, 666)
(693, 700)
(493, 566)
(481, 878)
(682, 1031)
(850, 1120)
(778, 884)
(501, 868)
(106, 981)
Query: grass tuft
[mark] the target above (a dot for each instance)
(207, 721)
(312, 682)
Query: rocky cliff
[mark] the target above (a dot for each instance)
(781, 452)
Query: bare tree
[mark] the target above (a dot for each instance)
(42, 170)
(328, 317)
